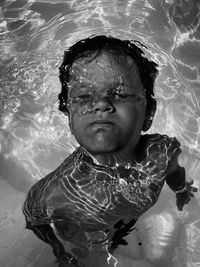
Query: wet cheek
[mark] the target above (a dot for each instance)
(127, 114)
(79, 123)
(82, 109)
(131, 116)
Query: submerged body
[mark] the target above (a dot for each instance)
(97, 194)
(91, 205)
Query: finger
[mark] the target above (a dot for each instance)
(191, 182)
(194, 189)
(180, 208)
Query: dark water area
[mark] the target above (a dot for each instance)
(35, 136)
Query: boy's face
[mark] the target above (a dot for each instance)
(106, 102)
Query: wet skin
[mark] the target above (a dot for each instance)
(111, 90)
(82, 198)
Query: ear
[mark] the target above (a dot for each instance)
(150, 113)
(148, 120)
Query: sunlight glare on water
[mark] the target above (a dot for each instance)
(35, 137)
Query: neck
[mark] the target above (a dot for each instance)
(113, 158)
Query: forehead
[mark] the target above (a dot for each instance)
(103, 67)
(103, 71)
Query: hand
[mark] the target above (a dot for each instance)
(70, 265)
(68, 260)
(185, 197)
(77, 264)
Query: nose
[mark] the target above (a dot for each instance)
(103, 105)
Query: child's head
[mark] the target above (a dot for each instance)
(104, 78)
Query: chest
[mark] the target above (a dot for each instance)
(131, 183)
(102, 198)
(106, 194)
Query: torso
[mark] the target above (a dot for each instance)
(83, 200)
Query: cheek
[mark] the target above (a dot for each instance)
(127, 113)
(82, 109)
(76, 121)
(130, 115)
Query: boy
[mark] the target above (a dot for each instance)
(93, 199)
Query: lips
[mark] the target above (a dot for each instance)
(102, 122)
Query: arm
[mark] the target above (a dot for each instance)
(176, 181)
(40, 222)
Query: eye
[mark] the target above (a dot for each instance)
(85, 96)
(82, 98)
(123, 96)
(137, 98)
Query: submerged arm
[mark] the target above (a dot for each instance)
(183, 189)
(176, 178)
(38, 220)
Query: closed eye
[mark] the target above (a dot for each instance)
(139, 98)
(123, 95)
(83, 96)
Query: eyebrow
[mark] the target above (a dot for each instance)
(84, 84)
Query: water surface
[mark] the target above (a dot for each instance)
(35, 137)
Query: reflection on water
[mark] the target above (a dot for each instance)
(35, 137)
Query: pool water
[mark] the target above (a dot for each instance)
(35, 137)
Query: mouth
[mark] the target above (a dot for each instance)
(102, 124)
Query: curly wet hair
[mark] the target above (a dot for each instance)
(147, 69)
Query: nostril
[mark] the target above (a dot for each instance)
(103, 105)
(103, 109)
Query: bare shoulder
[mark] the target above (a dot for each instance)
(64, 168)
(45, 191)
(160, 143)
(159, 149)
